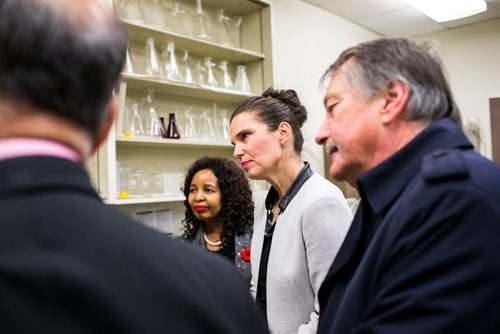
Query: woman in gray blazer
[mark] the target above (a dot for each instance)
(305, 218)
(219, 210)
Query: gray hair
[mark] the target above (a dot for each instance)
(382, 61)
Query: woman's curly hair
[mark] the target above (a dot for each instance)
(236, 196)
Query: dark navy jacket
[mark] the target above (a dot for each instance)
(422, 254)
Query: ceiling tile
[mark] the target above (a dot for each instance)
(403, 23)
(362, 9)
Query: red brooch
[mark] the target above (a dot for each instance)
(245, 254)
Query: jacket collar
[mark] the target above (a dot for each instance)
(272, 196)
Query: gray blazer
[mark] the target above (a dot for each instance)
(307, 236)
(240, 243)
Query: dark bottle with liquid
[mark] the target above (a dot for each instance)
(172, 131)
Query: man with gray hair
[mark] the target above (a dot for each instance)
(421, 255)
(68, 262)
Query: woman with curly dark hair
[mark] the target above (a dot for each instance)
(219, 210)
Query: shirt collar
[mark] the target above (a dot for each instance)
(23, 147)
(272, 196)
(382, 184)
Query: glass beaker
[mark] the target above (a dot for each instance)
(153, 13)
(171, 71)
(200, 28)
(207, 130)
(241, 83)
(153, 67)
(135, 126)
(226, 81)
(172, 131)
(221, 29)
(210, 79)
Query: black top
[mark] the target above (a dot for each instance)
(227, 251)
(271, 199)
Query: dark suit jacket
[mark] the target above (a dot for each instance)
(422, 253)
(69, 263)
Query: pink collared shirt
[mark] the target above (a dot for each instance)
(23, 147)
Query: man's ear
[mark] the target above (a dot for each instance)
(396, 96)
(103, 132)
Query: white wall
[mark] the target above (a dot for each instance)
(306, 40)
(471, 56)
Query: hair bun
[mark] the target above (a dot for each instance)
(290, 98)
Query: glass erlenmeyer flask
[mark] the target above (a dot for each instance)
(153, 127)
(234, 24)
(174, 18)
(221, 29)
(225, 81)
(153, 12)
(135, 126)
(129, 67)
(189, 127)
(241, 83)
(200, 28)
(129, 9)
(185, 67)
(200, 74)
(172, 131)
(210, 79)
(207, 130)
(153, 67)
(225, 125)
(171, 71)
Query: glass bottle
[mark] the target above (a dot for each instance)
(200, 28)
(210, 80)
(171, 71)
(221, 30)
(225, 126)
(200, 74)
(153, 67)
(172, 131)
(226, 81)
(241, 83)
(235, 30)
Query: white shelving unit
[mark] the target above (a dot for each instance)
(175, 155)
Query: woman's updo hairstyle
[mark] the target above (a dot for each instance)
(275, 106)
